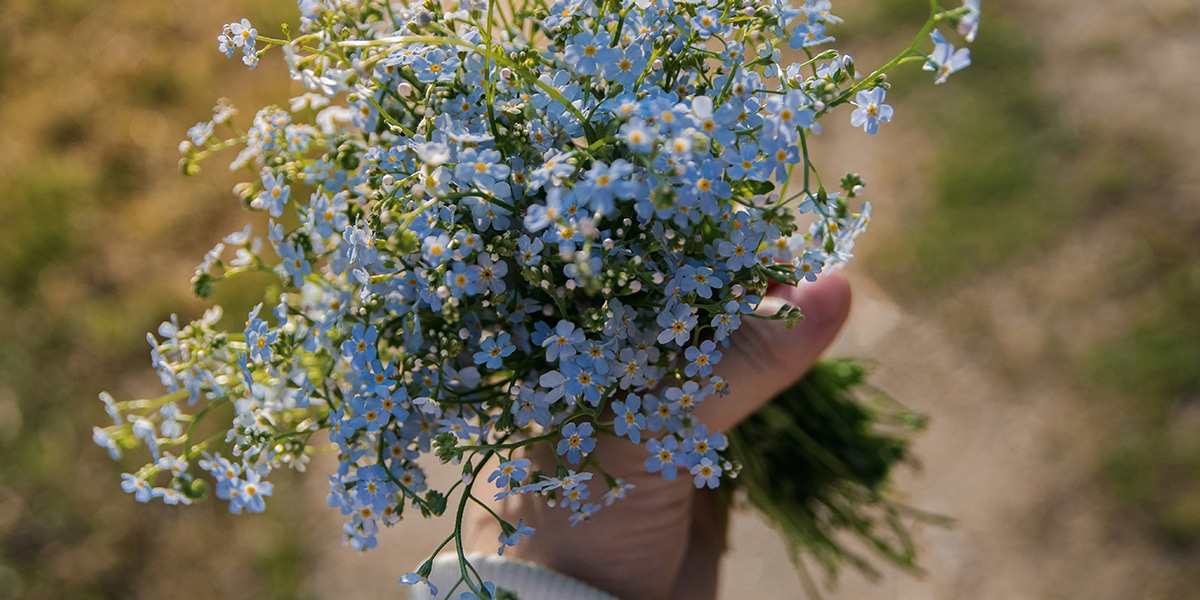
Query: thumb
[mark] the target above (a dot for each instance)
(765, 357)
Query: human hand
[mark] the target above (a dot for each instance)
(664, 541)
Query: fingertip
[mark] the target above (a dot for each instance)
(767, 357)
(828, 300)
(824, 302)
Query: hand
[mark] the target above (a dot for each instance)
(666, 538)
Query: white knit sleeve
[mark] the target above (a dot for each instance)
(528, 580)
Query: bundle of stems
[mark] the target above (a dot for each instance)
(816, 462)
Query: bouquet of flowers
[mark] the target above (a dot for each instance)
(500, 225)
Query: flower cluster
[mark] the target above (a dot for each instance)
(505, 225)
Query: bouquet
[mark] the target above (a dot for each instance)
(500, 225)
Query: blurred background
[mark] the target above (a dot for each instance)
(1032, 283)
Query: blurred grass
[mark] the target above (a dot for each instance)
(1153, 462)
(1009, 181)
(996, 188)
(98, 236)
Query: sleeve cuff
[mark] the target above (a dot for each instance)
(530, 581)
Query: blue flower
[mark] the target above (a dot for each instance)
(225, 474)
(488, 215)
(778, 154)
(576, 442)
(368, 414)
(459, 427)
(274, 195)
(701, 359)
(529, 251)
(200, 132)
(171, 496)
(790, 113)
(293, 263)
(603, 183)
(707, 23)
(629, 420)
(489, 275)
(141, 490)
(413, 579)
(225, 43)
(871, 110)
(968, 24)
(564, 12)
(360, 348)
(701, 444)
(531, 406)
(436, 248)
(584, 513)
(511, 540)
(586, 52)
(489, 591)
(716, 125)
(435, 65)
(725, 323)
(564, 342)
(637, 136)
(809, 264)
(328, 215)
(685, 397)
(700, 280)
(259, 337)
(242, 34)
(707, 473)
(625, 67)
(374, 488)
(250, 494)
(662, 457)
(596, 357)
(574, 493)
(617, 491)
(677, 324)
(945, 60)
(708, 186)
(740, 250)
(481, 167)
(461, 279)
(393, 402)
(512, 471)
(807, 35)
(493, 351)
(556, 165)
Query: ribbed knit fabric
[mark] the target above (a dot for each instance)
(530, 581)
